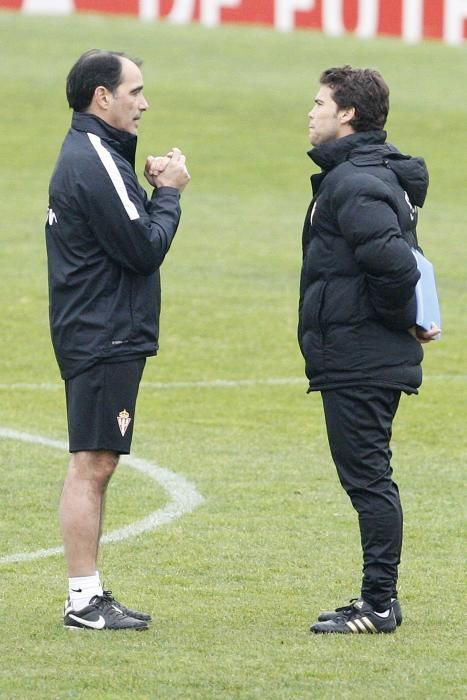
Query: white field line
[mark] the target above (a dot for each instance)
(184, 497)
(216, 383)
(196, 384)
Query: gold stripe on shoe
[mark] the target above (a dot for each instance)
(361, 626)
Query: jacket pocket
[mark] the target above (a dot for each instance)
(312, 317)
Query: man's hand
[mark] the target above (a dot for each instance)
(167, 171)
(155, 165)
(424, 336)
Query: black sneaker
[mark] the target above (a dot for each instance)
(101, 614)
(107, 595)
(346, 609)
(360, 619)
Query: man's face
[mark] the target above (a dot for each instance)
(324, 119)
(127, 103)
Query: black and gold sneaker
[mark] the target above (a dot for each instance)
(346, 609)
(101, 614)
(360, 619)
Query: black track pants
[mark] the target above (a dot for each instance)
(359, 424)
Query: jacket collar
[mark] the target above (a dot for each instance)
(328, 155)
(370, 148)
(122, 141)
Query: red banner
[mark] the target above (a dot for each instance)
(412, 20)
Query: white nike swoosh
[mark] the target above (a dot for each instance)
(95, 624)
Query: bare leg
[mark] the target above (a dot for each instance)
(82, 507)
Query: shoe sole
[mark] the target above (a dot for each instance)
(351, 633)
(107, 629)
(80, 628)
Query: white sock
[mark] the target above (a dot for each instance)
(383, 614)
(82, 589)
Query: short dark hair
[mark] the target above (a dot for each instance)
(362, 88)
(94, 68)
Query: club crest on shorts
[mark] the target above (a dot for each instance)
(123, 420)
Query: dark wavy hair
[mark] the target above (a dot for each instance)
(94, 68)
(362, 88)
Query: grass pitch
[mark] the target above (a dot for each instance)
(233, 585)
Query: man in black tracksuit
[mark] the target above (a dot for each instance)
(105, 243)
(357, 314)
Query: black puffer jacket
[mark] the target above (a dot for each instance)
(358, 276)
(105, 243)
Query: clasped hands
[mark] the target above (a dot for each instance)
(167, 171)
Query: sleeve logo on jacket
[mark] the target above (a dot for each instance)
(51, 217)
(313, 212)
(413, 210)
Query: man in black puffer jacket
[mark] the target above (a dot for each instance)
(357, 315)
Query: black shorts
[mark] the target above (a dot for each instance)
(101, 405)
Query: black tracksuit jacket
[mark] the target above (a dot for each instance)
(358, 276)
(105, 243)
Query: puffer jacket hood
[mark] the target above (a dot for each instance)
(412, 174)
(362, 150)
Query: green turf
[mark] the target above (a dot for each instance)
(233, 585)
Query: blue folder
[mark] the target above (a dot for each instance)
(428, 311)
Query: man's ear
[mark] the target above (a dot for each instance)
(346, 115)
(102, 97)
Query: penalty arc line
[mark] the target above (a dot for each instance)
(184, 497)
